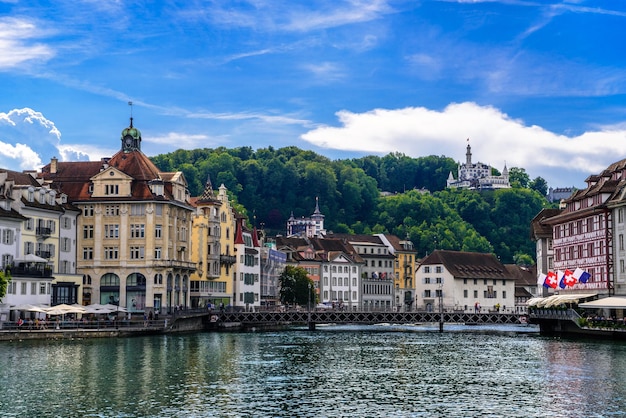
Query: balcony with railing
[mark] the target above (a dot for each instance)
(228, 259)
(29, 270)
(43, 231)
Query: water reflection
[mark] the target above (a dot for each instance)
(335, 371)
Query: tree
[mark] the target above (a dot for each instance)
(518, 177)
(4, 282)
(540, 185)
(296, 287)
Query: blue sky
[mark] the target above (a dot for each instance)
(533, 84)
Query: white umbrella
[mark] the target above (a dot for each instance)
(115, 308)
(32, 258)
(27, 307)
(63, 309)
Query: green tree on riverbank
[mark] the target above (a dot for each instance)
(296, 287)
(4, 283)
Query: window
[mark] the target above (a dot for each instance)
(30, 224)
(158, 230)
(66, 244)
(504, 294)
(23, 288)
(465, 293)
(42, 288)
(111, 253)
(112, 210)
(426, 269)
(157, 253)
(137, 231)
(112, 231)
(66, 222)
(88, 211)
(426, 280)
(158, 210)
(87, 253)
(427, 293)
(439, 280)
(475, 294)
(439, 293)
(111, 189)
(88, 231)
(158, 278)
(137, 210)
(136, 252)
(8, 236)
(438, 269)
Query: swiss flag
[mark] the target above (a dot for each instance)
(551, 280)
(569, 278)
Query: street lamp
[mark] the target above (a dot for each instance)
(310, 323)
(440, 308)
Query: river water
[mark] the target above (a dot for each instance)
(335, 371)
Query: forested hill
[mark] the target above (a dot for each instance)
(273, 183)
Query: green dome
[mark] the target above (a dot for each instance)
(132, 131)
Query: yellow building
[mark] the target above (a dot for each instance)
(134, 231)
(404, 270)
(208, 287)
(227, 246)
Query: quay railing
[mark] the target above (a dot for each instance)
(133, 324)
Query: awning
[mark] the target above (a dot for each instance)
(556, 300)
(32, 258)
(612, 302)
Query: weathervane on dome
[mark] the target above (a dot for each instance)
(131, 113)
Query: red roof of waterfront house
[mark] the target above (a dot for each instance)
(468, 265)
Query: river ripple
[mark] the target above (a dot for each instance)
(336, 371)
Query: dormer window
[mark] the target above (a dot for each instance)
(111, 189)
(157, 187)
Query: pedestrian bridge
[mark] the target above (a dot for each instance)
(252, 319)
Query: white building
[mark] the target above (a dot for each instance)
(377, 273)
(460, 280)
(247, 272)
(477, 176)
(310, 227)
(38, 242)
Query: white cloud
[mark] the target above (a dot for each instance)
(293, 16)
(27, 138)
(495, 137)
(15, 36)
(18, 157)
(325, 72)
(185, 141)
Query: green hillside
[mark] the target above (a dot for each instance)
(269, 184)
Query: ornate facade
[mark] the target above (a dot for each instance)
(134, 231)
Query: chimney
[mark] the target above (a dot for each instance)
(54, 165)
